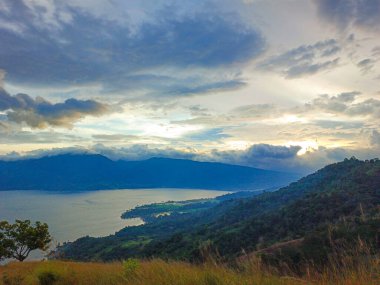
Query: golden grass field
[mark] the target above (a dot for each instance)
(158, 272)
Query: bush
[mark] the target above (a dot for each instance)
(48, 277)
(130, 266)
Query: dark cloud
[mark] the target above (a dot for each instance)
(304, 60)
(339, 103)
(14, 155)
(344, 13)
(40, 113)
(366, 65)
(142, 151)
(345, 103)
(84, 49)
(271, 151)
(304, 69)
(369, 107)
(266, 156)
(284, 158)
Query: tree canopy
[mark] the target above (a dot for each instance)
(19, 239)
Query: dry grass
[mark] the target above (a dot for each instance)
(155, 272)
(66, 273)
(158, 272)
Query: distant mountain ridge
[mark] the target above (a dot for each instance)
(94, 172)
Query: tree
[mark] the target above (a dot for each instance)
(19, 239)
(5, 242)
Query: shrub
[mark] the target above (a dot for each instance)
(48, 277)
(130, 266)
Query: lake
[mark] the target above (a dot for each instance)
(71, 215)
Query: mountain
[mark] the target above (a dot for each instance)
(342, 200)
(332, 208)
(91, 172)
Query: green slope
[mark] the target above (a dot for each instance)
(337, 204)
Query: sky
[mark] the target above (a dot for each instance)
(278, 84)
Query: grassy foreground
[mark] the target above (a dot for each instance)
(157, 272)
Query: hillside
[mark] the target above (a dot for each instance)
(91, 172)
(335, 206)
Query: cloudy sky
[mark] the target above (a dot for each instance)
(278, 84)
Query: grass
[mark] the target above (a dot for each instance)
(159, 272)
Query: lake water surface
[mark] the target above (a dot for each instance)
(71, 215)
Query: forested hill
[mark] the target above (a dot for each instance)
(90, 172)
(342, 199)
(335, 206)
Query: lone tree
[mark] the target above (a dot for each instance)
(19, 239)
(5, 243)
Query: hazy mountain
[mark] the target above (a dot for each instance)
(91, 172)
